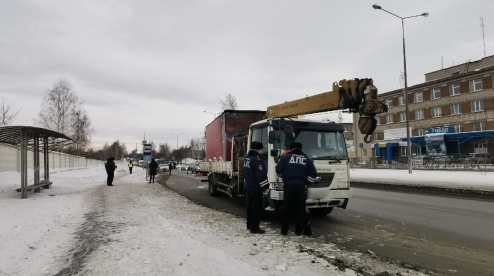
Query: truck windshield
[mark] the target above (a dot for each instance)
(318, 145)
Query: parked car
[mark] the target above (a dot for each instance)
(194, 168)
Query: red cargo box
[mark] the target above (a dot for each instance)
(219, 133)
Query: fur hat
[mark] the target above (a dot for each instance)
(256, 146)
(296, 145)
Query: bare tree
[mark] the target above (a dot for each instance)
(81, 130)
(340, 117)
(59, 104)
(230, 102)
(164, 150)
(7, 113)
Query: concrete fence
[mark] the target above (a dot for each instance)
(10, 160)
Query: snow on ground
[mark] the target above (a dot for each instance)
(433, 178)
(81, 226)
(35, 230)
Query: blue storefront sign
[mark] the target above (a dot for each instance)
(146, 150)
(441, 130)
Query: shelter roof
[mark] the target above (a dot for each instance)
(12, 134)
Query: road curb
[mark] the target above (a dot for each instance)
(431, 190)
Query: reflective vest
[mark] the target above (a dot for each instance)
(131, 165)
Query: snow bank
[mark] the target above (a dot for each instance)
(443, 179)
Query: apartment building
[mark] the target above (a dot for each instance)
(458, 99)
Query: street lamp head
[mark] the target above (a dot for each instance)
(425, 14)
(376, 7)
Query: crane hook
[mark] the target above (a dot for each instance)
(370, 138)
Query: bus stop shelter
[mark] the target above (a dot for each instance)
(38, 140)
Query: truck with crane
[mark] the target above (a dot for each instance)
(229, 136)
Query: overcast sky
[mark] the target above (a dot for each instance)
(155, 66)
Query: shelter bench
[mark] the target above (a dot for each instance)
(45, 184)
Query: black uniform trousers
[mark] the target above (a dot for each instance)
(109, 180)
(130, 170)
(254, 209)
(293, 197)
(151, 178)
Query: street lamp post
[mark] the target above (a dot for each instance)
(177, 137)
(409, 144)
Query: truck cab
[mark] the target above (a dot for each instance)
(324, 143)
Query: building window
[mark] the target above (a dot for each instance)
(477, 105)
(403, 117)
(454, 89)
(480, 148)
(455, 109)
(420, 132)
(475, 85)
(401, 100)
(419, 114)
(378, 119)
(403, 151)
(436, 112)
(418, 97)
(478, 126)
(458, 128)
(435, 93)
(378, 136)
(346, 128)
(389, 103)
(389, 119)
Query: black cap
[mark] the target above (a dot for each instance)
(256, 145)
(296, 145)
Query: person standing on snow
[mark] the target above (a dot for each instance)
(297, 171)
(153, 168)
(110, 170)
(256, 181)
(130, 166)
(170, 167)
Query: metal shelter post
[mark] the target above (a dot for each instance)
(24, 139)
(47, 162)
(36, 162)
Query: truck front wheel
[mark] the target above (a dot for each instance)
(212, 185)
(321, 211)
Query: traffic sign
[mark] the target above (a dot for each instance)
(361, 145)
(144, 142)
(146, 151)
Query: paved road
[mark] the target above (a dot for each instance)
(447, 235)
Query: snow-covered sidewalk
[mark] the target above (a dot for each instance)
(441, 179)
(81, 226)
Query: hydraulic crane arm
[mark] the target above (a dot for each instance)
(357, 95)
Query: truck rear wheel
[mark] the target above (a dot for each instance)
(321, 211)
(212, 185)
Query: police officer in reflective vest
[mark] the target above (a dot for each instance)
(256, 182)
(130, 167)
(297, 171)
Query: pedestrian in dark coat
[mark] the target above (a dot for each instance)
(170, 167)
(297, 171)
(256, 182)
(110, 170)
(153, 168)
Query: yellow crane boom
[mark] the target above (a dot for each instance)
(356, 95)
